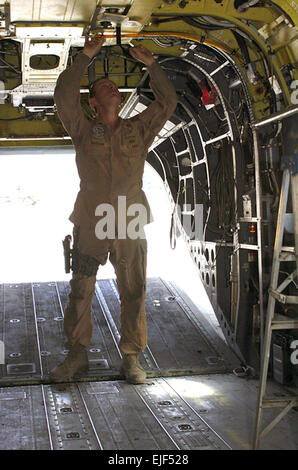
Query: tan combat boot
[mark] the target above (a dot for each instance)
(132, 370)
(76, 362)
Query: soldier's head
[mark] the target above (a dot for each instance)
(104, 92)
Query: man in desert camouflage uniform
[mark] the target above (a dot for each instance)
(110, 157)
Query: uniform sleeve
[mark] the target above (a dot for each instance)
(162, 108)
(67, 95)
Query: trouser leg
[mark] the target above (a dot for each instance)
(129, 258)
(77, 328)
(78, 312)
(77, 315)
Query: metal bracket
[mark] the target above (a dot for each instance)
(284, 299)
(277, 293)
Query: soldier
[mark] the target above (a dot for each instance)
(110, 157)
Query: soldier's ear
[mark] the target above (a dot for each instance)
(92, 102)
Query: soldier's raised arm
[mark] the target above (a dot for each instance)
(161, 109)
(67, 91)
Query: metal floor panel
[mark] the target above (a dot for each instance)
(228, 405)
(23, 420)
(101, 415)
(207, 412)
(180, 340)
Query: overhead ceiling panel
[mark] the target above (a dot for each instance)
(41, 10)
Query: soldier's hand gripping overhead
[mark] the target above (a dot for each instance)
(142, 54)
(93, 45)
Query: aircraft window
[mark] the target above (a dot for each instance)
(44, 61)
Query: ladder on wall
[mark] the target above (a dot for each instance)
(273, 320)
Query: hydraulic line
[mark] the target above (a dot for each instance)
(193, 21)
(242, 44)
(163, 44)
(211, 20)
(210, 27)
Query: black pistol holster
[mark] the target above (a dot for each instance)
(67, 253)
(76, 261)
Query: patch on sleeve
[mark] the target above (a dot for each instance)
(98, 132)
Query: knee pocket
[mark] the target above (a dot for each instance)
(84, 264)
